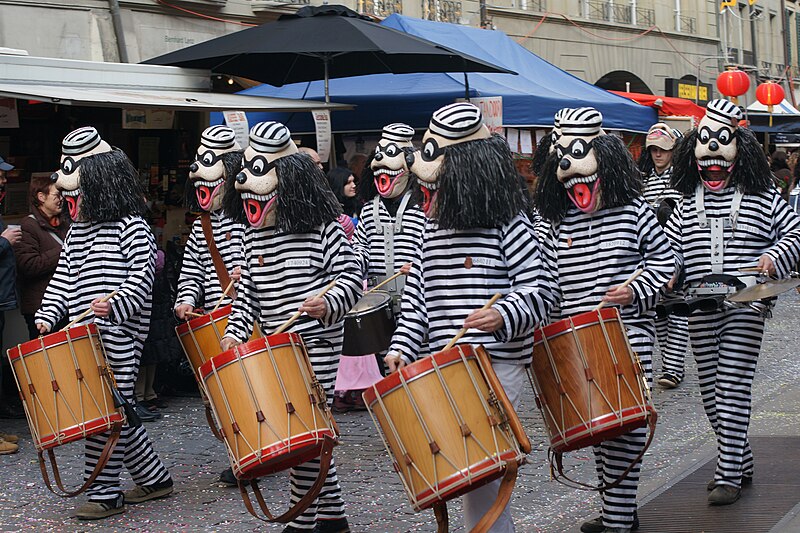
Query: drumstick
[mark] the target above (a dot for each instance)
(224, 294)
(462, 331)
(190, 313)
(384, 282)
(83, 315)
(753, 269)
(624, 284)
(295, 316)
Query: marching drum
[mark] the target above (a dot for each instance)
(273, 412)
(200, 337)
(447, 425)
(370, 324)
(68, 393)
(589, 384)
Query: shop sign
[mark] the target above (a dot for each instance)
(492, 109)
(147, 119)
(688, 90)
(322, 124)
(237, 121)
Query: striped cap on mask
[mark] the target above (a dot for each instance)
(270, 137)
(219, 138)
(724, 112)
(80, 141)
(398, 132)
(581, 122)
(456, 121)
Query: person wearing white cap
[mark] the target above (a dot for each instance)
(602, 230)
(729, 198)
(478, 241)
(109, 248)
(655, 164)
(294, 246)
(213, 252)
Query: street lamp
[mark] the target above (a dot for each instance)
(697, 78)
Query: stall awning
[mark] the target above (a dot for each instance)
(157, 99)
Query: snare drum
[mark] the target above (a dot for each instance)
(370, 324)
(272, 410)
(65, 386)
(589, 384)
(447, 429)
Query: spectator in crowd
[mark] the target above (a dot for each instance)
(782, 176)
(8, 300)
(37, 252)
(310, 152)
(356, 165)
(343, 184)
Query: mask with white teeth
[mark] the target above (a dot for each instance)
(389, 162)
(77, 146)
(207, 173)
(577, 171)
(715, 151)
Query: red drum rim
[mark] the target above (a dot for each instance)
(409, 372)
(52, 339)
(602, 428)
(458, 484)
(247, 349)
(583, 319)
(79, 431)
(200, 321)
(282, 454)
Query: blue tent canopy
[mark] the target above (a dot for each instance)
(530, 99)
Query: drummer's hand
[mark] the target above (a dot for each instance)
(315, 307)
(671, 283)
(487, 320)
(393, 362)
(405, 269)
(228, 343)
(619, 295)
(765, 264)
(236, 274)
(101, 309)
(182, 309)
(43, 328)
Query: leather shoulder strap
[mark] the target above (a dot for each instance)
(219, 266)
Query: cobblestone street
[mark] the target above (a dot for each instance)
(374, 496)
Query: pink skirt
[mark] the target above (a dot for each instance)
(357, 372)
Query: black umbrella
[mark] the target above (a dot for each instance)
(321, 43)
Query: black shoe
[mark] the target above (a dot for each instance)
(143, 493)
(669, 381)
(11, 412)
(227, 477)
(746, 482)
(724, 495)
(339, 525)
(595, 525)
(145, 414)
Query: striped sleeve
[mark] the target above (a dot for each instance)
(785, 253)
(528, 302)
(246, 307)
(54, 303)
(361, 241)
(658, 260)
(412, 330)
(190, 283)
(675, 234)
(139, 250)
(340, 261)
(549, 250)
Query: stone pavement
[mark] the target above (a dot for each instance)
(375, 499)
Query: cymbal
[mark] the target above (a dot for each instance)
(768, 289)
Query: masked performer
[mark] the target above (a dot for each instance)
(213, 254)
(730, 201)
(655, 165)
(478, 241)
(544, 150)
(293, 248)
(109, 247)
(602, 231)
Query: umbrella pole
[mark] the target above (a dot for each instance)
(466, 87)
(332, 154)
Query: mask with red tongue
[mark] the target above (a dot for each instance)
(715, 177)
(390, 183)
(586, 196)
(206, 195)
(428, 200)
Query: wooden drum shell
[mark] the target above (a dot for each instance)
(61, 381)
(585, 396)
(272, 411)
(461, 454)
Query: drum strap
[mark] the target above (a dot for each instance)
(717, 226)
(213, 423)
(101, 464)
(219, 266)
(299, 508)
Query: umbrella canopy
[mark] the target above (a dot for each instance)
(667, 105)
(321, 43)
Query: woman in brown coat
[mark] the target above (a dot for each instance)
(43, 233)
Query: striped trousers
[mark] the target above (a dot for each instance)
(134, 450)
(726, 344)
(324, 357)
(673, 342)
(612, 457)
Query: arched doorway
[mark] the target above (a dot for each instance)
(618, 80)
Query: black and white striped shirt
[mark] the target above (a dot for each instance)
(198, 284)
(588, 254)
(281, 270)
(657, 188)
(457, 272)
(369, 243)
(766, 224)
(96, 260)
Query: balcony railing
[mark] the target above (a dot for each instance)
(645, 16)
(532, 5)
(686, 24)
(621, 13)
(618, 12)
(442, 10)
(380, 8)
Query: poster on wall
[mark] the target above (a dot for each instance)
(492, 109)
(237, 121)
(147, 119)
(322, 122)
(8, 113)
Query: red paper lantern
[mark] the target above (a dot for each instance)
(770, 94)
(733, 83)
